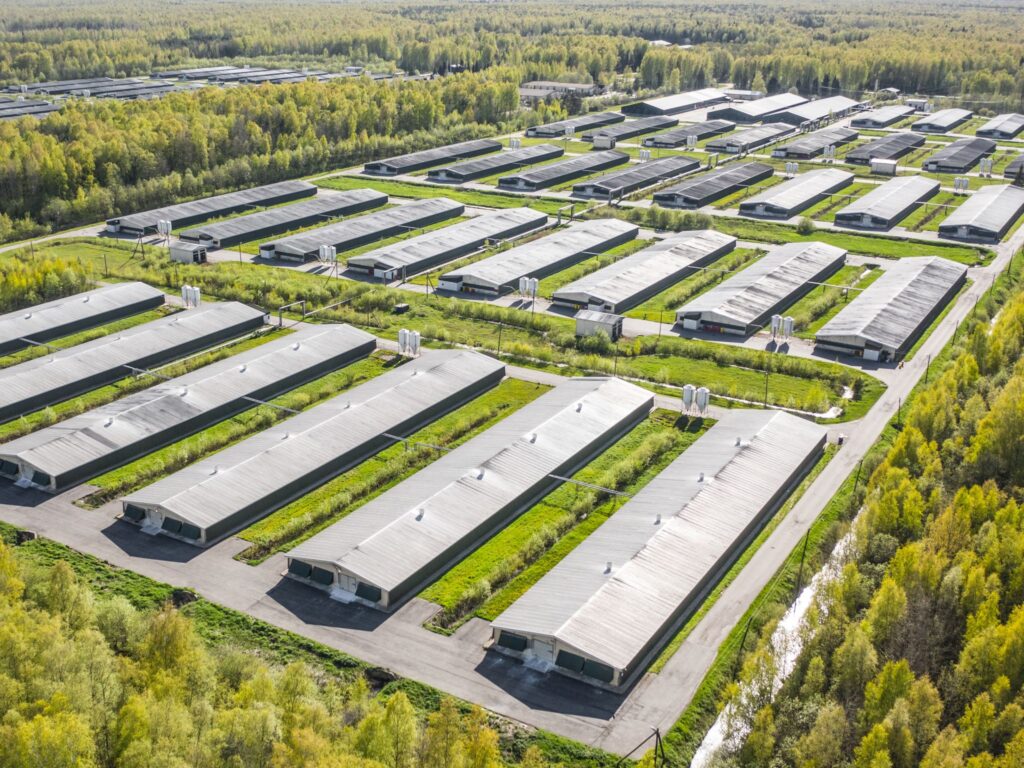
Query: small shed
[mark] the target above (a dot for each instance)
(590, 321)
(188, 253)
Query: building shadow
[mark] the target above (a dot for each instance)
(315, 608)
(130, 539)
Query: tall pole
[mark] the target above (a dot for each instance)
(766, 373)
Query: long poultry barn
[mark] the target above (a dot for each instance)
(614, 185)
(882, 117)
(942, 121)
(539, 258)
(629, 281)
(817, 110)
(708, 187)
(798, 194)
(757, 110)
(1002, 127)
(749, 139)
(891, 147)
(497, 163)
(746, 301)
(677, 103)
(986, 215)
(959, 156)
(409, 257)
(231, 489)
(62, 455)
(274, 221)
(55, 377)
(70, 314)
(607, 608)
(383, 552)
(562, 171)
(631, 128)
(681, 136)
(362, 230)
(565, 128)
(887, 204)
(811, 145)
(196, 211)
(416, 161)
(885, 319)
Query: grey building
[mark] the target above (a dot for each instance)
(631, 128)
(887, 204)
(562, 171)
(749, 139)
(274, 221)
(68, 453)
(1013, 168)
(196, 211)
(816, 111)
(882, 117)
(680, 136)
(70, 314)
(891, 147)
(496, 163)
(959, 156)
(55, 377)
(362, 230)
(608, 607)
(395, 166)
(563, 128)
(885, 319)
(799, 193)
(12, 110)
(676, 103)
(756, 110)
(942, 121)
(233, 488)
(987, 214)
(416, 254)
(635, 176)
(386, 550)
(541, 257)
(746, 301)
(1002, 127)
(810, 145)
(635, 278)
(705, 189)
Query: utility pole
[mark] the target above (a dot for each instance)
(766, 373)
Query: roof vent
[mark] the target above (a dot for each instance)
(243, 367)
(579, 406)
(286, 435)
(216, 469)
(419, 513)
(657, 519)
(533, 437)
(85, 299)
(608, 567)
(28, 315)
(479, 473)
(184, 391)
(701, 478)
(737, 442)
(296, 345)
(109, 421)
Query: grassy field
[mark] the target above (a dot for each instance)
(694, 284)
(81, 337)
(160, 463)
(890, 247)
(118, 389)
(928, 215)
(504, 567)
(823, 302)
(313, 512)
(827, 208)
(474, 197)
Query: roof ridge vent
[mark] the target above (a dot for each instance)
(608, 567)
(701, 478)
(478, 473)
(420, 513)
(657, 519)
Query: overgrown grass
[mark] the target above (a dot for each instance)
(171, 458)
(823, 302)
(81, 337)
(552, 283)
(297, 521)
(826, 209)
(928, 215)
(502, 568)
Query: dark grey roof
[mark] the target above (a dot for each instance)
(749, 138)
(882, 116)
(676, 103)
(819, 109)
(428, 157)
(960, 155)
(678, 136)
(564, 170)
(758, 108)
(889, 147)
(1013, 167)
(558, 129)
(942, 121)
(496, 163)
(631, 128)
(1002, 126)
(634, 176)
(811, 144)
(711, 186)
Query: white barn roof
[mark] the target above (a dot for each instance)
(991, 209)
(889, 199)
(391, 541)
(890, 311)
(746, 296)
(796, 193)
(665, 542)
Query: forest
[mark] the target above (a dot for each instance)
(94, 159)
(914, 654)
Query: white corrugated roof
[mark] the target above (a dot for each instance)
(749, 294)
(890, 310)
(657, 566)
(627, 277)
(390, 540)
(892, 197)
(794, 193)
(583, 239)
(214, 489)
(69, 311)
(991, 208)
(80, 440)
